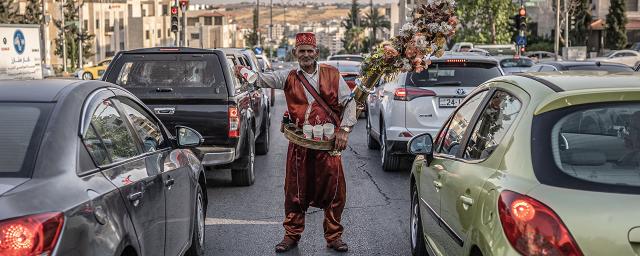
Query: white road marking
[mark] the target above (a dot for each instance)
(216, 221)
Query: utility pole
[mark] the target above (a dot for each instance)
(43, 54)
(258, 18)
(80, 35)
(566, 25)
(184, 25)
(557, 41)
(64, 39)
(270, 27)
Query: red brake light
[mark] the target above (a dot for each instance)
(30, 235)
(169, 49)
(456, 60)
(234, 123)
(408, 94)
(533, 228)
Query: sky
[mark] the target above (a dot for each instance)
(280, 1)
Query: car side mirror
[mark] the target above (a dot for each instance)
(421, 145)
(188, 137)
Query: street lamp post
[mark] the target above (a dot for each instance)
(80, 35)
(557, 41)
(64, 39)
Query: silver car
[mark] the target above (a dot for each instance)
(415, 103)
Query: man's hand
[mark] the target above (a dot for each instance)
(342, 137)
(237, 71)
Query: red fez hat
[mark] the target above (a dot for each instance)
(306, 38)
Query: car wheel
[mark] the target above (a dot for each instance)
(418, 245)
(87, 76)
(197, 238)
(262, 143)
(371, 142)
(390, 162)
(245, 176)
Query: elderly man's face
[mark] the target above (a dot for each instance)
(306, 55)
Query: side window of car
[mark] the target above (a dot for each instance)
(547, 68)
(459, 124)
(144, 124)
(492, 125)
(111, 131)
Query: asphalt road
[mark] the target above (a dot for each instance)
(248, 220)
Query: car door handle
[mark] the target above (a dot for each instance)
(164, 89)
(164, 111)
(169, 182)
(468, 201)
(437, 184)
(135, 196)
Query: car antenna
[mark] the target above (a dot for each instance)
(598, 63)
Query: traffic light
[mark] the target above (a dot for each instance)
(522, 19)
(174, 19)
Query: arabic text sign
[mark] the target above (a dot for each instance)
(20, 52)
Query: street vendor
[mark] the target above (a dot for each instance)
(316, 94)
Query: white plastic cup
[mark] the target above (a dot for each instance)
(317, 132)
(329, 130)
(307, 130)
(249, 75)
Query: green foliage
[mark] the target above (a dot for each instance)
(253, 38)
(323, 52)
(9, 12)
(375, 21)
(353, 19)
(72, 35)
(484, 21)
(354, 40)
(616, 36)
(579, 36)
(33, 12)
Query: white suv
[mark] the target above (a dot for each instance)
(414, 103)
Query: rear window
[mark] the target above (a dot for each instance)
(21, 128)
(466, 74)
(349, 68)
(169, 70)
(610, 68)
(516, 63)
(589, 147)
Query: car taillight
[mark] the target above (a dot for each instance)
(234, 123)
(30, 235)
(408, 94)
(533, 228)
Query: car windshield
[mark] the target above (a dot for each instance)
(21, 128)
(466, 74)
(599, 144)
(352, 58)
(602, 67)
(516, 63)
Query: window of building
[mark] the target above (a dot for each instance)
(632, 5)
(192, 21)
(159, 33)
(147, 34)
(121, 23)
(165, 9)
(85, 24)
(97, 23)
(144, 11)
(218, 21)
(195, 36)
(208, 21)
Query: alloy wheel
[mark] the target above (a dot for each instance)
(414, 221)
(200, 220)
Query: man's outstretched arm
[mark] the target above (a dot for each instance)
(275, 79)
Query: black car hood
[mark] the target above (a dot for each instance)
(7, 184)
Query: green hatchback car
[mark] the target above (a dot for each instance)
(544, 164)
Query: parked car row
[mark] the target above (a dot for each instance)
(126, 158)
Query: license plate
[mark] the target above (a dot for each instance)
(449, 102)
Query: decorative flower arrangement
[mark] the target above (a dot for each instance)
(433, 24)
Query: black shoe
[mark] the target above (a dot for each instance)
(338, 245)
(286, 245)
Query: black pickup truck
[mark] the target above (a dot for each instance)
(198, 88)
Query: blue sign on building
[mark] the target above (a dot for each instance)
(257, 50)
(18, 41)
(521, 40)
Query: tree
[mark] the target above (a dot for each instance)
(72, 35)
(323, 52)
(616, 34)
(9, 12)
(253, 38)
(375, 21)
(582, 16)
(354, 40)
(485, 21)
(353, 18)
(33, 12)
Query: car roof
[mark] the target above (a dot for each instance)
(169, 49)
(346, 55)
(579, 63)
(585, 80)
(34, 90)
